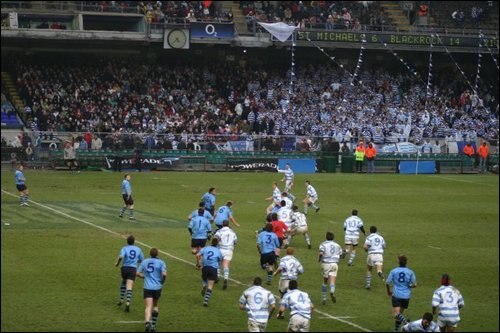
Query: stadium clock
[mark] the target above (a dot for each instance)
(177, 38)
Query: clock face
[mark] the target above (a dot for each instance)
(177, 39)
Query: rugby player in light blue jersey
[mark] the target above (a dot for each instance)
(225, 213)
(207, 214)
(154, 273)
(209, 259)
(402, 279)
(200, 229)
(131, 256)
(209, 200)
(21, 186)
(128, 201)
(268, 247)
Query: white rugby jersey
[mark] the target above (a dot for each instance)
(352, 225)
(277, 195)
(288, 174)
(257, 301)
(449, 300)
(289, 203)
(227, 238)
(330, 251)
(311, 191)
(299, 219)
(285, 215)
(290, 268)
(298, 302)
(375, 244)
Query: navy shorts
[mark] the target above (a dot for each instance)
(128, 200)
(400, 302)
(267, 258)
(21, 188)
(128, 273)
(155, 294)
(209, 273)
(198, 242)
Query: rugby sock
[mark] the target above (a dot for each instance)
(351, 257)
(368, 280)
(401, 318)
(323, 292)
(123, 210)
(314, 206)
(291, 196)
(308, 240)
(381, 275)
(131, 212)
(305, 209)
(226, 273)
(397, 324)
(332, 288)
(129, 296)
(269, 276)
(154, 318)
(122, 291)
(208, 293)
(25, 198)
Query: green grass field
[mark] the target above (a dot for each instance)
(58, 255)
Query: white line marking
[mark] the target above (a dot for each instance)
(130, 322)
(332, 222)
(184, 185)
(467, 181)
(434, 247)
(251, 202)
(342, 317)
(169, 255)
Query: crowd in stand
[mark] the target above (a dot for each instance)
(166, 11)
(328, 15)
(195, 103)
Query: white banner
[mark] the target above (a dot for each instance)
(280, 30)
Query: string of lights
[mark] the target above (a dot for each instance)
(411, 70)
(479, 56)
(353, 78)
(456, 64)
(482, 37)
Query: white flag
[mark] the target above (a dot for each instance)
(280, 30)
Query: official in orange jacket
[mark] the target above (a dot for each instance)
(370, 153)
(483, 152)
(470, 152)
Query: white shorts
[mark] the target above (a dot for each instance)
(329, 269)
(298, 323)
(283, 285)
(375, 259)
(288, 185)
(352, 241)
(299, 231)
(254, 326)
(226, 254)
(443, 322)
(312, 199)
